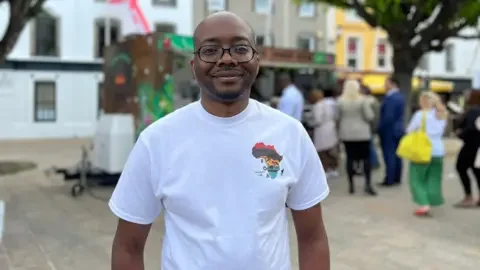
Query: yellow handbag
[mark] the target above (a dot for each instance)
(416, 146)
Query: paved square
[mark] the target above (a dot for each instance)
(46, 229)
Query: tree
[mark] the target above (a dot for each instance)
(414, 27)
(21, 11)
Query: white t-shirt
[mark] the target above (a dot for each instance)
(223, 184)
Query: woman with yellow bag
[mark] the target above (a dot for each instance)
(426, 168)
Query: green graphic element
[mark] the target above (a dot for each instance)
(323, 58)
(123, 57)
(178, 43)
(155, 103)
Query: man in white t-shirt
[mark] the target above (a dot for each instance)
(222, 170)
(292, 100)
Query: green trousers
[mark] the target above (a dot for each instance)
(426, 182)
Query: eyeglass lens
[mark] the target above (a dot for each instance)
(213, 53)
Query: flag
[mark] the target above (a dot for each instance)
(132, 17)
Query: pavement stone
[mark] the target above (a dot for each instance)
(46, 229)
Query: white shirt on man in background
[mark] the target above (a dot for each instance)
(292, 102)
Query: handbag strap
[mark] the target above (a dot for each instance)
(424, 122)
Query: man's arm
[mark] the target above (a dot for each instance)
(128, 246)
(135, 203)
(304, 199)
(313, 249)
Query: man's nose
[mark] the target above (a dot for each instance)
(226, 58)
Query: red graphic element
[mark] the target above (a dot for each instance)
(268, 153)
(120, 79)
(137, 13)
(381, 48)
(264, 146)
(167, 43)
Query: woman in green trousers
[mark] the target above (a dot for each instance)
(426, 179)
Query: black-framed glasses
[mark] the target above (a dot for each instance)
(213, 53)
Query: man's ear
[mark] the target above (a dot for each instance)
(192, 66)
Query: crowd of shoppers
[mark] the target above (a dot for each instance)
(356, 117)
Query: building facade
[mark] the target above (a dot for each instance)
(458, 62)
(358, 47)
(51, 82)
(292, 26)
(362, 49)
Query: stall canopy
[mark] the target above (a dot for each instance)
(376, 84)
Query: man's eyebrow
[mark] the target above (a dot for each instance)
(210, 40)
(234, 39)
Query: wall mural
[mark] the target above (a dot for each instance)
(155, 103)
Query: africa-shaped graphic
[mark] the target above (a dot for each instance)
(269, 156)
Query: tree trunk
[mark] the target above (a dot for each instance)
(403, 65)
(21, 11)
(16, 22)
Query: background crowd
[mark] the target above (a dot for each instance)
(355, 121)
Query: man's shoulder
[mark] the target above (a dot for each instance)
(275, 116)
(176, 119)
(398, 96)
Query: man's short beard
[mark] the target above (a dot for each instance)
(223, 97)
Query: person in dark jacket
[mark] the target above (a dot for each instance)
(391, 128)
(469, 131)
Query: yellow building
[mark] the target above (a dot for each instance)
(358, 46)
(364, 53)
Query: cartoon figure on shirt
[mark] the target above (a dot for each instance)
(270, 159)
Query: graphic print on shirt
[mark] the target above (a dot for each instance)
(269, 158)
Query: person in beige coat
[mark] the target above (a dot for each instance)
(325, 133)
(355, 116)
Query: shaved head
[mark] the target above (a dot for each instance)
(226, 62)
(221, 15)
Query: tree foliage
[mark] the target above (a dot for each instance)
(415, 27)
(20, 11)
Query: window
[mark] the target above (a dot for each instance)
(164, 2)
(449, 56)
(423, 64)
(45, 107)
(101, 35)
(307, 43)
(100, 99)
(262, 6)
(352, 16)
(382, 54)
(165, 28)
(216, 5)
(45, 36)
(307, 10)
(353, 52)
(262, 41)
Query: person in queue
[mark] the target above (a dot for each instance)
(355, 116)
(426, 178)
(468, 131)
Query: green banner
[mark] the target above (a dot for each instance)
(324, 58)
(178, 43)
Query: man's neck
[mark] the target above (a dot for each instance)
(224, 109)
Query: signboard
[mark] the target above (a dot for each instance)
(177, 43)
(323, 58)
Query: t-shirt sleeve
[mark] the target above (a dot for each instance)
(134, 198)
(311, 187)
